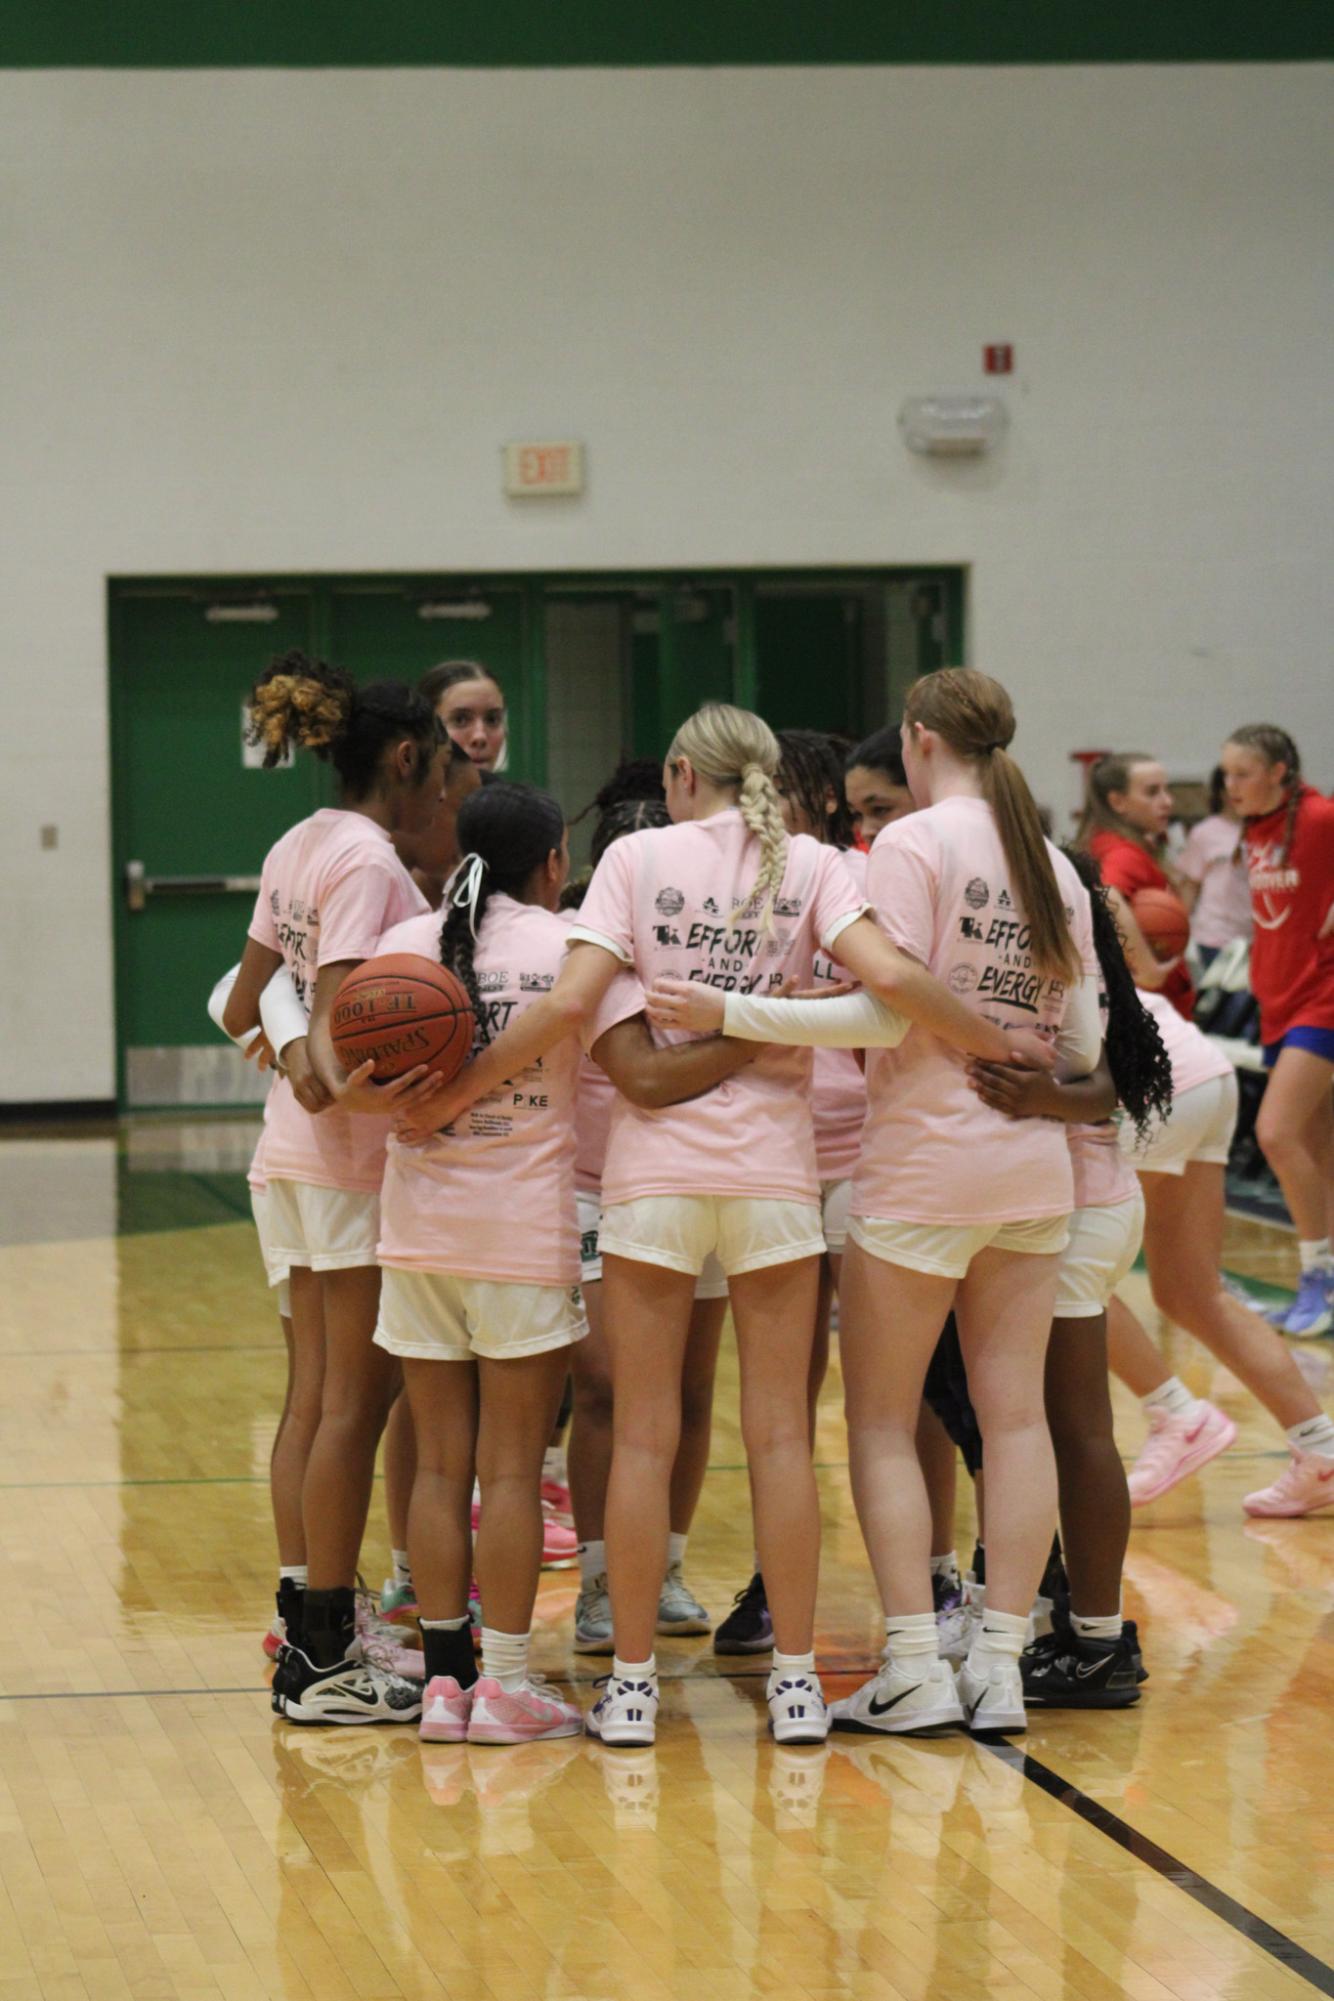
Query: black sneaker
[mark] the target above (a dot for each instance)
(349, 1692)
(747, 1629)
(1130, 1638)
(1062, 1672)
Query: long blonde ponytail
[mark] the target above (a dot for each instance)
(973, 715)
(732, 747)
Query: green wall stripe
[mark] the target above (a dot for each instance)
(530, 34)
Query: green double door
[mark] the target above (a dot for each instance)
(194, 813)
(593, 668)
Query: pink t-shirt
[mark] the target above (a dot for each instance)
(1103, 1178)
(932, 1152)
(1194, 1058)
(493, 1195)
(329, 888)
(838, 1091)
(678, 900)
(1215, 857)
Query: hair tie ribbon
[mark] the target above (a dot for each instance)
(469, 887)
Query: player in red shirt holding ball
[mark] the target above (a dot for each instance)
(1289, 836)
(1124, 825)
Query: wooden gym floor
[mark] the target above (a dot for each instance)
(162, 1838)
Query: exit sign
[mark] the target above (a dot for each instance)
(534, 470)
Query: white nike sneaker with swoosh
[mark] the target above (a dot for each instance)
(992, 1694)
(902, 1700)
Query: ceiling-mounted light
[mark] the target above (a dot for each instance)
(952, 424)
(261, 613)
(466, 608)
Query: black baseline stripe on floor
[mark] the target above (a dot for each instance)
(1276, 1943)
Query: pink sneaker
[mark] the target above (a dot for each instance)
(1306, 1486)
(500, 1716)
(556, 1496)
(274, 1639)
(1176, 1447)
(560, 1546)
(445, 1711)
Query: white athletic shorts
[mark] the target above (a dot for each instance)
(439, 1318)
(1199, 1128)
(1104, 1244)
(275, 1269)
(835, 1204)
(329, 1229)
(712, 1280)
(947, 1249)
(746, 1233)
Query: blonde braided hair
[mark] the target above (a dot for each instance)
(731, 747)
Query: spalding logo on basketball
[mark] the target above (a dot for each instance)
(399, 1011)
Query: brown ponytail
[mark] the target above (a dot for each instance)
(974, 716)
(1275, 746)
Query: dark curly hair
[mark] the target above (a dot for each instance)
(510, 829)
(811, 772)
(1136, 1055)
(627, 816)
(305, 703)
(635, 778)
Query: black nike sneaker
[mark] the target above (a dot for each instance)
(1062, 1671)
(349, 1692)
(747, 1629)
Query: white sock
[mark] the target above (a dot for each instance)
(402, 1569)
(296, 1573)
(634, 1670)
(676, 1549)
(1003, 1637)
(1108, 1628)
(1315, 1255)
(911, 1638)
(1313, 1434)
(794, 1663)
(444, 1625)
(592, 1562)
(947, 1565)
(553, 1465)
(1172, 1397)
(505, 1658)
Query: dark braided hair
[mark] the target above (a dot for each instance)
(1275, 746)
(627, 816)
(302, 702)
(636, 778)
(1136, 1054)
(511, 829)
(811, 770)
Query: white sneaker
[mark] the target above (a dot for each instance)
(992, 1694)
(627, 1710)
(797, 1711)
(592, 1619)
(349, 1693)
(902, 1700)
(679, 1611)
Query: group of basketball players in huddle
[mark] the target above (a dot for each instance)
(820, 1025)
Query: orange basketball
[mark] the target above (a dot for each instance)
(1162, 917)
(400, 1011)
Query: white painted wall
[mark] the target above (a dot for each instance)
(284, 321)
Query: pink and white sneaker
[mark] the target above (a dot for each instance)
(1303, 1488)
(556, 1496)
(1177, 1446)
(446, 1709)
(519, 1716)
(275, 1639)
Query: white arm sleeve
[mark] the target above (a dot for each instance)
(1079, 1039)
(217, 1001)
(852, 1021)
(281, 1012)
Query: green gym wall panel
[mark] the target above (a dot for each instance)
(542, 34)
